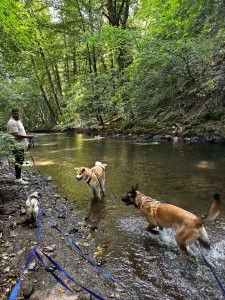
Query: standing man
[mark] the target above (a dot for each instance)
(15, 127)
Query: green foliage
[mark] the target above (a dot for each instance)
(17, 31)
(7, 143)
(164, 63)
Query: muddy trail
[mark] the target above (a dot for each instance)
(18, 238)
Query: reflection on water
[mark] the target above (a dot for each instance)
(206, 165)
(187, 175)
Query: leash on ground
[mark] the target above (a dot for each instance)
(29, 149)
(17, 286)
(34, 163)
(64, 273)
(84, 255)
(96, 174)
(34, 251)
(211, 269)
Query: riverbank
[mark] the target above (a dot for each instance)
(18, 238)
(209, 132)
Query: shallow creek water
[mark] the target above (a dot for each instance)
(186, 175)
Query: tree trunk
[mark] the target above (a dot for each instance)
(50, 81)
(52, 113)
(118, 15)
(58, 80)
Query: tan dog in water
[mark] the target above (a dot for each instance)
(190, 227)
(94, 177)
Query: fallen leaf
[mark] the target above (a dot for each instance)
(99, 251)
(35, 281)
(61, 290)
(13, 235)
(86, 245)
(115, 294)
(77, 288)
(2, 245)
(13, 281)
(7, 269)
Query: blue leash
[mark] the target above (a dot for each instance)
(211, 269)
(64, 273)
(53, 225)
(17, 286)
(99, 269)
(56, 277)
(34, 251)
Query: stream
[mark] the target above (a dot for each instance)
(186, 175)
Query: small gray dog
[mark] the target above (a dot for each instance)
(32, 204)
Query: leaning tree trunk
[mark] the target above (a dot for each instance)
(44, 95)
(50, 81)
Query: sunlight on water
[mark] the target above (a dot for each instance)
(45, 163)
(205, 165)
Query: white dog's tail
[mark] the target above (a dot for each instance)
(98, 163)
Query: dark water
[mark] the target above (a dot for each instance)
(187, 175)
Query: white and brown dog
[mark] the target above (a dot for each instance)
(94, 177)
(32, 205)
(190, 227)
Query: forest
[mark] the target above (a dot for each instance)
(76, 63)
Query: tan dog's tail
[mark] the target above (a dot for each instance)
(213, 212)
(98, 163)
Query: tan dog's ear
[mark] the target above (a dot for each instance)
(83, 170)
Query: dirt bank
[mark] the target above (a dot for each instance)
(17, 239)
(211, 132)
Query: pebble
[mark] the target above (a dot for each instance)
(32, 266)
(20, 252)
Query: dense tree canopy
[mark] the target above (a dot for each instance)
(68, 62)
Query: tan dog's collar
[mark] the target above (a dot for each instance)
(141, 201)
(89, 178)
